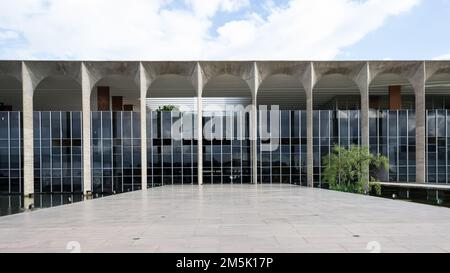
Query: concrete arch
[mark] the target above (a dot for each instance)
(40, 70)
(243, 70)
(227, 78)
(48, 96)
(437, 71)
(295, 69)
(99, 70)
(119, 85)
(378, 90)
(169, 77)
(11, 92)
(436, 67)
(324, 92)
(298, 70)
(11, 69)
(438, 77)
(171, 89)
(355, 71)
(117, 77)
(155, 70)
(411, 71)
(437, 87)
(285, 96)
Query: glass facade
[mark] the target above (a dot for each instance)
(226, 153)
(171, 154)
(11, 153)
(58, 152)
(393, 134)
(116, 151)
(283, 158)
(438, 146)
(330, 128)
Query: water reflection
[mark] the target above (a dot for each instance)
(53, 200)
(12, 204)
(430, 197)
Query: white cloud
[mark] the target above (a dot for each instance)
(443, 57)
(154, 30)
(210, 7)
(6, 35)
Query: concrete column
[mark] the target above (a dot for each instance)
(363, 84)
(309, 136)
(419, 89)
(308, 81)
(86, 89)
(199, 86)
(143, 85)
(365, 129)
(254, 125)
(365, 117)
(254, 143)
(28, 150)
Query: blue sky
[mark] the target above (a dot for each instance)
(422, 33)
(224, 29)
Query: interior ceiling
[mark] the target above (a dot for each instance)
(118, 82)
(335, 81)
(226, 86)
(277, 81)
(10, 83)
(53, 83)
(389, 79)
(171, 86)
(282, 90)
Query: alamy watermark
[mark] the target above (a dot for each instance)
(232, 122)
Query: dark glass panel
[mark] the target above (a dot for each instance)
(96, 125)
(45, 125)
(4, 125)
(136, 124)
(15, 127)
(76, 125)
(127, 125)
(117, 125)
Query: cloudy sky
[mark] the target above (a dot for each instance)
(224, 29)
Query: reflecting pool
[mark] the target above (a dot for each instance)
(12, 204)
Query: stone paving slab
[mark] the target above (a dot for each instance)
(230, 218)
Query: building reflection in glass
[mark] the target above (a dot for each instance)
(11, 153)
(58, 152)
(284, 158)
(116, 151)
(171, 155)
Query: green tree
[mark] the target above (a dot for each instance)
(167, 108)
(348, 169)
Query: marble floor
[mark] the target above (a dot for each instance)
(230, 218)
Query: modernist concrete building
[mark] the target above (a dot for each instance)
(73, 126)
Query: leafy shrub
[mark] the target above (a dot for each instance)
(348, 169)
(375, 189)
